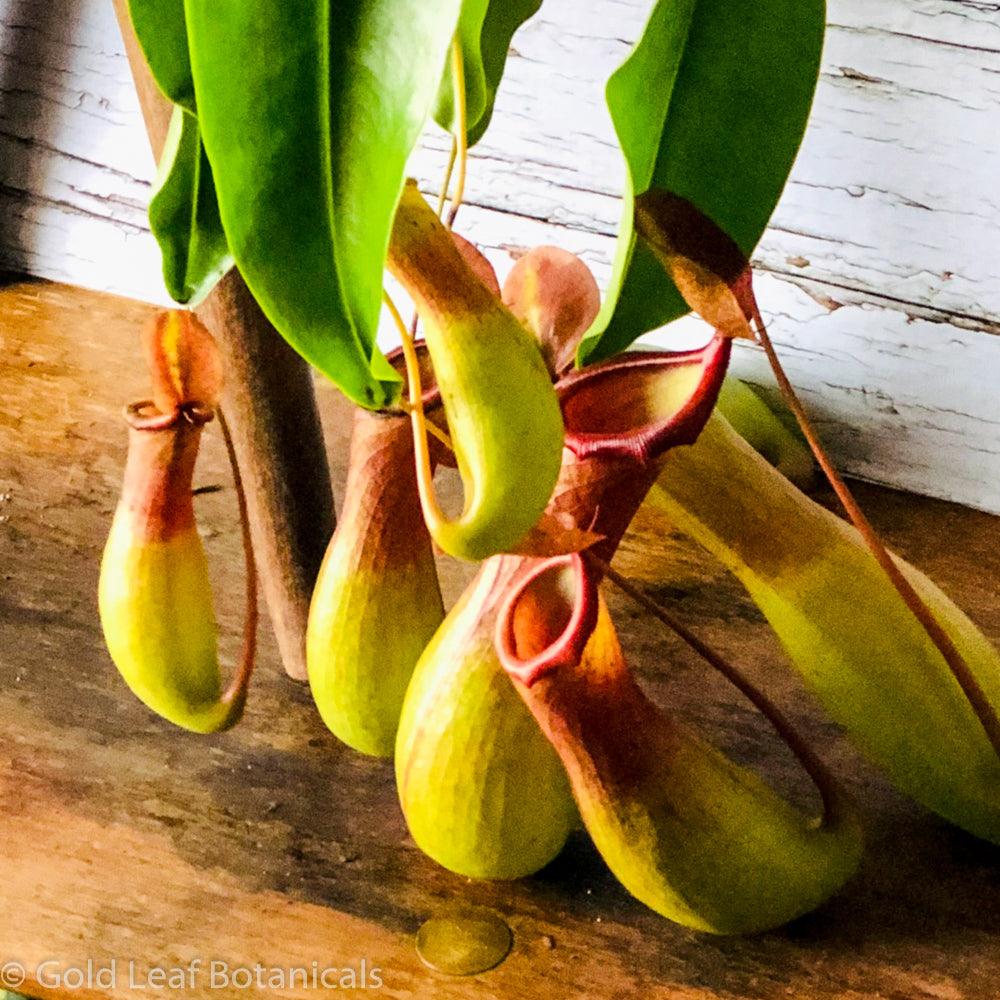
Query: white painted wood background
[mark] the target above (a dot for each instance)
(880, 273)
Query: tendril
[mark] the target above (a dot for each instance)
(241, 679)
(829, 791)
(981, 707)
(415, 406)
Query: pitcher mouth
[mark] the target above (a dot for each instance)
(639, 404)
(143, 415)
(430, 395)
(547, 619)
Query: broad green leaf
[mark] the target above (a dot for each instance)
(501, 21)
(485, 30)
(710, 106)
(309, 110)
(162, 32)
(469, 37)
(184, 210)
(184, 215)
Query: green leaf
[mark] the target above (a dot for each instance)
(469, 34)
(184, 215)
(184, 209)
(710, 106)
(485, 30)
(309, 110)
(162, 32)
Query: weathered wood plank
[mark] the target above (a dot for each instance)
(123, 838)
(892, 209)
(894, 192)
(74, 162)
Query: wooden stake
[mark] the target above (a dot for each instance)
(271, 406)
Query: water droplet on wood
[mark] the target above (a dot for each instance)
(464, 941)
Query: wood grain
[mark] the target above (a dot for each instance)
(879, 259)
(123, 838)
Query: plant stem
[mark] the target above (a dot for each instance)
(959, 668)
(461, 129)
(274, 418)
(828, 789)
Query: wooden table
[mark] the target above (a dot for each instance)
(124, 839)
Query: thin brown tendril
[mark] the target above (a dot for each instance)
(829, 790)
(241, 679)
(461, 126)
(981, 707)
